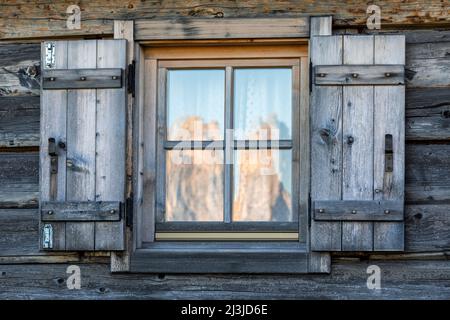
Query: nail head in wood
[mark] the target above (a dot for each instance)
(386, 211)
(354, 211)
(112, 211)
(355, 75)
(387, 74)
(83, 78)
(321, 210)
(50, 212)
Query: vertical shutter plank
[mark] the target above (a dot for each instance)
(389, 119)
(358, 155)
(81, 147)
(326, 143)
(53, 125)
(110, 141)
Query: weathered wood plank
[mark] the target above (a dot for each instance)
(80, 211)
(81, 146)
(357, 153)
(380, 74)
(424, 280)
(26, 20)
(154, 29)
(428, 113)
(326, 143)
(427, 170)
(19, 121)
(19, 185)
(111, 137)
(358, 210)
(19, 69)
(82, 78)
(389, 119)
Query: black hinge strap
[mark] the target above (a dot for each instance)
(131, 79)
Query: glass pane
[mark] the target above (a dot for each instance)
(195, 104)
(263, 103)
(194, 185)
(262, 186)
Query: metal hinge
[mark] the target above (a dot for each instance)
(310, 76)
(49, 55)
(131, 78)
(129, 212)
(47, 236)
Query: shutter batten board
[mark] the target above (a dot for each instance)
(92, 162)
(370, 110)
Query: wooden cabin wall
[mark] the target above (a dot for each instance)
(423, 271)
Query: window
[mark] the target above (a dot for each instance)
(226, 171)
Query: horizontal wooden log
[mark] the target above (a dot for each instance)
(428, 113)
(355, 210)
(154, 29)
(81, 78)
(20, 19)
(348, 280)
(81, 211)
(427, 172)
(19, 121)
(19, 69)
(19, 180)
(359, 75)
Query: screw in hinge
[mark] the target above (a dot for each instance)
(354, 211)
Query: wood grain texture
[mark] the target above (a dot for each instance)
(424, 280)
(154, 29)
(380, 74)
(326, 143)
(19, 19)
(19, 121)
(111, 138)
(19, 69)
(389, 118)
(357, 161)
(19, 180)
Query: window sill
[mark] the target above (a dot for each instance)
(224, 257)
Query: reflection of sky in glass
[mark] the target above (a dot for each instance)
(262, 95)
(195, 93)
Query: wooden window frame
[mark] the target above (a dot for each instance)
(267, 256)
(200, 257)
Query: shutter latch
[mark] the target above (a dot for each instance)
(388, 154)
(131, 78)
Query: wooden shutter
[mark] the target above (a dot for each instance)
(82, 150)
(357, 142)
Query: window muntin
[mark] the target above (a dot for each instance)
(228, 207)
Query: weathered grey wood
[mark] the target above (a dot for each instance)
(389, 118)
(348, 280)
(19, 121)
(379, 74)
(19, 184)
(54, 125)
(326, 143)
(428, 113)
(321, 26)
(427, 167)
(124, 29)
(84, 78)
(80, 236)
(319, 262)
(357, 125)
(81, 211)
(153, 29)
(359, 210)
(111, 138)
(19, 69)
(81, 144)
(160, 153)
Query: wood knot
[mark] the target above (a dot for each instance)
(445, 114)
(418, 216)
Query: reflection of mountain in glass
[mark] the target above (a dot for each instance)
(194, 190)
